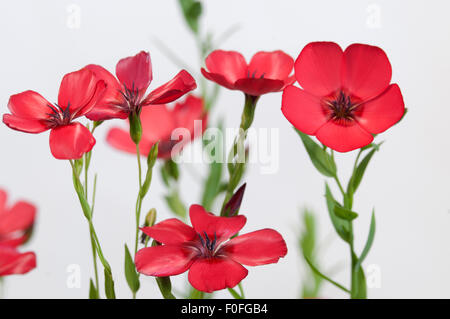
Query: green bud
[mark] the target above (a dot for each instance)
(135, 127)
(150, 219)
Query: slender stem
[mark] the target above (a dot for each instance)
(139, 199)
(339, 185)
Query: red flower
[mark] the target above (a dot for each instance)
(213, 261)
(13, 263)
(31, 113)
(127, 94)
(267, 71)
(158, 122)
(346, 96)
(15, 221)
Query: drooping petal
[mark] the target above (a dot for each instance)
(135, 72)
(120, 139)
(158, 122)
(303, 110)
(165, 260)
(109, 106)
(275, 65)
(318, 68)
(181, 84)
(71, 141)
(343, 137)
(24, 124)
(257, 87)
(225, 67)
(366, 71)
(12, 262)
(20, 217)
(214, 274)
(29, 105)
(79, 91)
(380, 113)
(188, 111)
(260, 247)
(171, 232)
(222, 227)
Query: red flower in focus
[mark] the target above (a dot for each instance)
(267, 71)
(213, 261)
(127, 94)
(158, 122)
(346, 96)
(31, 113)
(15, 223)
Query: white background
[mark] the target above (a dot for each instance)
(407, 182)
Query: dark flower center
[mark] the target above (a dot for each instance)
(59, 115)
(132, 99)
(253, 75)
(341, 107)
(208, 244)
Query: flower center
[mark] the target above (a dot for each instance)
(132, 98)
(59, 116)
(341, 107)
(209, 247)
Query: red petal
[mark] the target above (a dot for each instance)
(20, 217)
(108, 107)
(343, 137)
(3, 199)
(303, 110)
(158, 122)
(366, 71)
(222, 227)
(382, 112)
(318, 68)
(225, 67)
(29, 105)
(188, 111)
(23, 124)
(257, 87)
(213, 274)
(71, 141)
(135, 72)
(171, 232)
(275, 65)
(121, 140)
(260, 247)
(162, 261)
(181, 84)
(80, 90)
(12, 262)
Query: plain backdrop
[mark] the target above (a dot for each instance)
(407, 182)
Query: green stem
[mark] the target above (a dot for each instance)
(139, 199)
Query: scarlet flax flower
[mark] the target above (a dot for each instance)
(15, 224)
(213, 261)
(346, 97)
(267, 71)
(31, 113)
(126, 94)
(158, 124)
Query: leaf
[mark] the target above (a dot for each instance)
(151, 160)
(164, 283)
(359, 288)
(130, 272)
(175, 204)
(321, 160)
(358, 174)
(369, 241)
(192, 11)
(344, 213)
(109, 285)
(234, 293)
(93, 293)
(341, 226)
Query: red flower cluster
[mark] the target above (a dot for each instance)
(213, 261)
(158, 123)
(78, 94)
(127, 94)
(346, 96)
(267, 71)
(15, 224)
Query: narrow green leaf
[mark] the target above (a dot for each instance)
(234, 293)
(344, 213)
(93, 293)
(341, 226)
(192, 11)
(369, 241)
(130, 271)
(321, 160)
(212, 185)
(175, 204)
(358, 174)
(109, 285)
(323, 276)
(359, 288)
